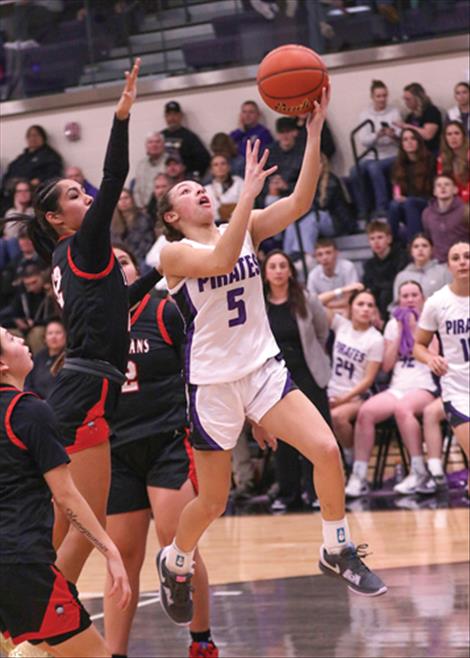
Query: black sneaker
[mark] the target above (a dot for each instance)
(349, 566)
(175, 591)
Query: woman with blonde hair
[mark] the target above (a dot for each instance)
(424, 117)
(454, 157)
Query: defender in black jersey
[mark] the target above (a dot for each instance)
(36, 602)
(151, 457)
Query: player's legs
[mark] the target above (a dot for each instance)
(343, 417)
(407, 411)
(462, 434)
(167, 505)
(433, 415)
(91, 472)
(129, 532)
(214, 474)
(88, 644)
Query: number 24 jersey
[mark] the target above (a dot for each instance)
(227, 330)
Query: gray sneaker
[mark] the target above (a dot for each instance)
(431, 484)
(175, 591)
(349, 566)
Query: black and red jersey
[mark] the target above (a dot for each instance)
(88, 282)
(153, 397)
(29, 447)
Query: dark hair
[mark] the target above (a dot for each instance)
(166, 205)
(39, 230)
(295, 292)
(123, 247)
(221, 143)
(56, 320)
(254, 103)
(462, 84)
(377, 84)
(378, 227)
(355, 294)
(411, 281)
(20, 181)
(453, 163)
(40, 130)
(445, 174)
(421, 236)
(419, 93)
(422, 168)
(466, 242)
(325, 242)
(228, 182)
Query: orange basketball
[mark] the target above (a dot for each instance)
(290, 78)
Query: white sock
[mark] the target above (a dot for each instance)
(178, 561)
(435, 466)
(418, 465)
(360, 469)
(335, 535)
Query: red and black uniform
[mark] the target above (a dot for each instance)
(90, 286)
(36, 602)
(149, 443)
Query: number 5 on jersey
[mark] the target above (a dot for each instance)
(238, 305)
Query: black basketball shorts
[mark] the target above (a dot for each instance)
(37, 604)
(164, 461)
(83, 405)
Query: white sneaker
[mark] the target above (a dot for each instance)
(356, 487)
(409, 484)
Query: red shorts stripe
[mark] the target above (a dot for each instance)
(192, 475)
(94, 429)
(10, 433)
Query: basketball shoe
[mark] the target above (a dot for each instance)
(356, 487)
(175, 591)
(349, 566)
(203, 650)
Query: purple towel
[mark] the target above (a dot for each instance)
(406, 341)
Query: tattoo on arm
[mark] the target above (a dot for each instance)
(72, 517)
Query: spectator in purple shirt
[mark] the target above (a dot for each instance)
(76, 174)
(251, 128)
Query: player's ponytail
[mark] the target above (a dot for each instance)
(39, 230)
(169, 231)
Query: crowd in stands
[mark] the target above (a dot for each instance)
(411, 190)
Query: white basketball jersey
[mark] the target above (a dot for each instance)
(448, 314)
(408, 373)
(227, 330)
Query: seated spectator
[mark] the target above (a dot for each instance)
(38, 162)
(380, 270)
(424, 117)
(423, 269)
(461, 111)
(32, 306)
(331, 204)
(454, 157)
(445, 220)
(161, 185)
(412, 176)
(22, 204)
(300, 326)
(175, 169)
(76, 174)
(40, 379)
(132, 226)
(411, 389)
(250, 128)
(331, 274)
(327, 142)
(225, 189)
(190, 148)
(148, 168)
(357, 355)
(374, 194)
(223, 144)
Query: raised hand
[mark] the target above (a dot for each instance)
(317, 118)
(129, 92)
(255, 174)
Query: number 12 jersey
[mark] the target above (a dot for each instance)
(227, 330)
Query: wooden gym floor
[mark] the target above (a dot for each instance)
(269, 599)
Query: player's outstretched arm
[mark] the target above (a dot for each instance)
(180, 260)
(79, 514)
(276, 217)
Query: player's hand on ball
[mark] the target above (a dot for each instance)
(317, 118)
(255, 174)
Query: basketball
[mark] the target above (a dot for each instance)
(290, 78)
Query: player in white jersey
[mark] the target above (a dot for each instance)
(411, 389)
(233, 369)
(447, 313)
